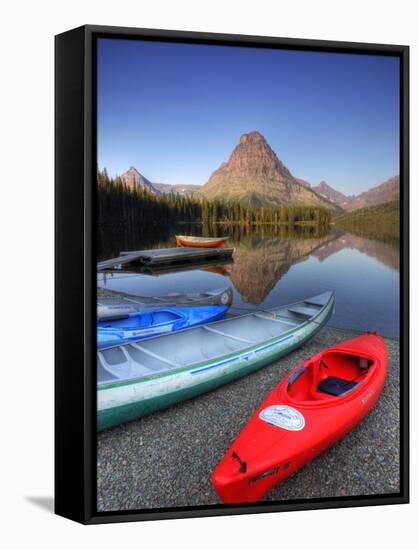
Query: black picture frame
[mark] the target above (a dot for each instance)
(75, 304)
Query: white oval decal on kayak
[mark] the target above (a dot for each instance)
(283, 417)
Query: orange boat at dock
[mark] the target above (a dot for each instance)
(201, 242)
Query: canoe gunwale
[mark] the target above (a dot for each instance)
(107, 385)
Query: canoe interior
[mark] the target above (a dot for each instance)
(142, 320)
(334, 374)
(196, 345)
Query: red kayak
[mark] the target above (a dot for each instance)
(314, 406)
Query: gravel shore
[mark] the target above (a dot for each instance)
(166, 459)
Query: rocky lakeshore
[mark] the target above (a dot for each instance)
(166, 459)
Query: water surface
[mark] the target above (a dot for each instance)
(279, 267)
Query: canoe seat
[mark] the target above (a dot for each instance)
(303, 310)
(119, 362)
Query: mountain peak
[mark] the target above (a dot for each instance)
(133, 179)
(323, 185)
(329, 193)
(255, 175)
(252, 137)
(253, 157)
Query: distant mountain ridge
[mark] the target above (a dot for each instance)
(255, 176)
(134, 179)
(180, 188)
(387, 191)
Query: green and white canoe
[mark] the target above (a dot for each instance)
(142, 377)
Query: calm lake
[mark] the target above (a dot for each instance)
(271, 268)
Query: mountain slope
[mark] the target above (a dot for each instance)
(254, 175)
(385, 192)
(380, 221)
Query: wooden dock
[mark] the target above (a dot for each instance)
(215, 266)
(166, 256)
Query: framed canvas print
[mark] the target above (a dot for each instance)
(231, 274)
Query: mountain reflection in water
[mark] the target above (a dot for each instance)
(260, 264)
(282, 266)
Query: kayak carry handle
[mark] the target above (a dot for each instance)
(243, 465)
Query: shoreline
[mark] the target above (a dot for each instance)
(166, 459)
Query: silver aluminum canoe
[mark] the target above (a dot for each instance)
(115, 304)
(141, 377)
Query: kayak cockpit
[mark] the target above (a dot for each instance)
(332, 375)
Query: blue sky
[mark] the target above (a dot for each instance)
(176, 111)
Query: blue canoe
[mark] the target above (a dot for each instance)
(144, 324)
